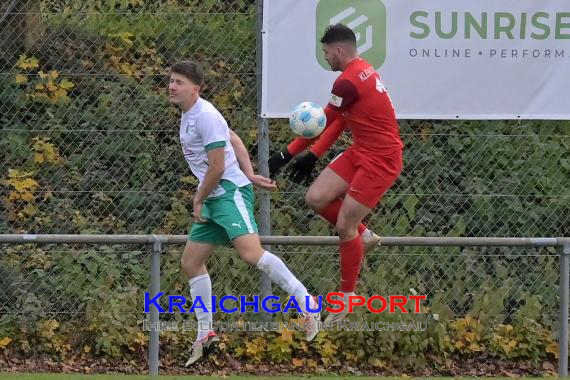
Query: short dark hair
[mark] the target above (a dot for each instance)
(338, 33)
(190, 70)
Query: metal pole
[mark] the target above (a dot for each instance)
(564, 300)
(154, 317)
(386, 241)
(262, 154)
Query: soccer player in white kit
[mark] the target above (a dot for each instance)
(223, 203)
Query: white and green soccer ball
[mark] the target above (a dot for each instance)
(308, 120)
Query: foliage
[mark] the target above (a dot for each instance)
(89, 145)
(75, 303)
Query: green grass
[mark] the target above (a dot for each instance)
(57, 376)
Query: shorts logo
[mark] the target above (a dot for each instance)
(367, 18)
(238, 225)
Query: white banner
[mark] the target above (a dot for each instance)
(439, 59)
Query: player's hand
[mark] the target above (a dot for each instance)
(278, 160)
(303, 167)
(263, 182)
(197, 212)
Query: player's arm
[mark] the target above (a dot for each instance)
(343, 95)
(213, 131)
(304, 163)
(328, 137)
(330, 134)
(216, 167)
(242, 154)
(245, 165)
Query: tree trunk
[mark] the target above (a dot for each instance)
(20, 28)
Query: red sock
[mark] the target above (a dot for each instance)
(351, 254)
(330, 213)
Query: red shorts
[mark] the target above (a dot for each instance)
(369, 175)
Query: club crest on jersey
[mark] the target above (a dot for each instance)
(189, 124)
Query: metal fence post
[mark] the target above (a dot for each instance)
(154, 341)
(564, 300)
(262, 154)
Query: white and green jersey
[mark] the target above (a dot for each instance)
(203, 128)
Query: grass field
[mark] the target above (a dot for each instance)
(58, 376)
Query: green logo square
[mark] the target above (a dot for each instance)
(367, 18)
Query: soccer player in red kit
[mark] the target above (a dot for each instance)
(354, 182)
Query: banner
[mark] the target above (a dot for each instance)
(439, 59)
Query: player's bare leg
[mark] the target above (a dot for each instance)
(325, 197)
(193, 263)
(250, 249)
(194, 258)
(350, 216)
(328, 187)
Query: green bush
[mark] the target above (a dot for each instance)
(90, 145)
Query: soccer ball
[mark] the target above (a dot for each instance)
(308, 120)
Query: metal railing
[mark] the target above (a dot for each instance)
(159, 242)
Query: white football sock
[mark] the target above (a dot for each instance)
(202, 286)
(366, 234)
(345, 296)
(278, 272)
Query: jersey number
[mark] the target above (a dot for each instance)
(381, 89)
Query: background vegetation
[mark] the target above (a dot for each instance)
(90, 145)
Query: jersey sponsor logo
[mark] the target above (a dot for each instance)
(335, 100)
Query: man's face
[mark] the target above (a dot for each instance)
(182, 91)
(333, 53)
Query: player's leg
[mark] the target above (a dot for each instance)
(369, 184)
(351, 214)
(251, 251)
(201, 243)
(351, 250)
(325, 195)
(242, 230)
(329, 187)
(234, 212)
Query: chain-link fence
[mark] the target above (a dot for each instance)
(89, 144)
(69, 300)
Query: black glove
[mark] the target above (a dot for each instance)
(302, 168)
(278, 160)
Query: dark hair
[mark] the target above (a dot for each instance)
(338, 33)
(190, 70)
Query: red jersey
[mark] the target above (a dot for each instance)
(360, 102)
(359, 95)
